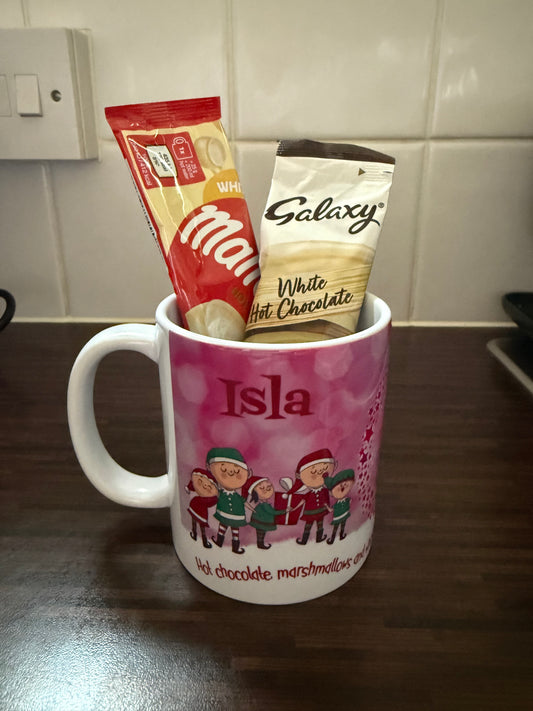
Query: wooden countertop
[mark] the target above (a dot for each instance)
(97, 612)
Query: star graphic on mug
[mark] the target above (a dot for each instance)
(368, 434)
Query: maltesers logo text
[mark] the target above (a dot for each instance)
(212, 230)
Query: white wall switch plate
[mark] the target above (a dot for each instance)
(46, 95)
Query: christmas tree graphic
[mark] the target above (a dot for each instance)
(368, 453)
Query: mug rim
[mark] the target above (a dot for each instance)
(383, 320)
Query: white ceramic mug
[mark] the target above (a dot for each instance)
(272, 451)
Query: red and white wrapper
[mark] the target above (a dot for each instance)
(182, 167)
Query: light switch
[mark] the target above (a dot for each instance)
(28, 97)
(46, 94)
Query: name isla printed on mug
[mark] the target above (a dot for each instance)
(271, 400)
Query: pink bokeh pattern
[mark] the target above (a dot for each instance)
(277, 406)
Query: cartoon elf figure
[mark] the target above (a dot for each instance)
(203, 483)
(311, 473)
(228, 467)
(340, 486)
(258, 490)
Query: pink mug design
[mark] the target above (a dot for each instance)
(272, 451)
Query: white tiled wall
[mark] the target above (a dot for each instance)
(446, 86)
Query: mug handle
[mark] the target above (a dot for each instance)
(112, 480)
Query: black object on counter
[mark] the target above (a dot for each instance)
(515, 352)
(519, 306)
(9, 310)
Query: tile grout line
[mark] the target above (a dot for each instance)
(132, 319)
(463, 140)
(230, 65)
(434, 69)
(394, 139)
(25, 14)
(423, 192)
(57, 239)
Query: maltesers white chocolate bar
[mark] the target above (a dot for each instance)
(184, 173)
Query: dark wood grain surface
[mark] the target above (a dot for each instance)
(97, 613)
